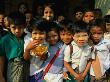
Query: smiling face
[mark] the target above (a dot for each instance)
(81, 38)
(66, 36)
(52, 37)
(39, 36)
(96, 34)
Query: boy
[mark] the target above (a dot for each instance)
(78, 62)
(101, 64)
(11, 46)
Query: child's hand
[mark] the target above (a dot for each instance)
(77, 77)
(82, 76)
(31, 45)
(65, 75)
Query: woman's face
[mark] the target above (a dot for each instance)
(48, 13)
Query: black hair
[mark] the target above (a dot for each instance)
(25, 4)
(107, 18)
(66, 25)
(97, 22)
(38, 25)
(80, 26)
(17, 18)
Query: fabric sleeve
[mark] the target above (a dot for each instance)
(67, 54)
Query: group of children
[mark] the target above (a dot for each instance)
(74, 52)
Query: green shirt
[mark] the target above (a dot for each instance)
(11, 47)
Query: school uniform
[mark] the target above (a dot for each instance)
(13, 50)
(107, 35)
(103, 53)
(78, 58)
(55, 72)
(35, 63)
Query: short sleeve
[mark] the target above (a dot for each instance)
(93, 54)
(67, 54)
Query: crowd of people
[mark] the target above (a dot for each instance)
(46, 47)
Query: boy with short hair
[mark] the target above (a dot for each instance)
(78, 63)
(12, 46)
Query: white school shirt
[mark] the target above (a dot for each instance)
(35, 61)
(103, 53)
(79, 56)
(107, 35)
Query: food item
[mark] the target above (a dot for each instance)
(40, 50)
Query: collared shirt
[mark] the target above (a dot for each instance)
(58, 65)
(103, 53)
(107, 35)
(79, 57)
(11, 47)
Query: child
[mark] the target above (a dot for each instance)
(78, 62)
(49, 12)
(102, 47)
(11, 46)
(65, 32)
(53, 71)
(88, 16)
(36, 57)
(107, 26)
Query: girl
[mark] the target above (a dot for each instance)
(36, 51)
(49, 12)
(54, 73)
(88, 16)
(107, 27)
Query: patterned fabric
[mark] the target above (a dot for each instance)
(18, 70)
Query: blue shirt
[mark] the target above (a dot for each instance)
(58, 65)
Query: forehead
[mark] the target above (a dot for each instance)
(96, 29)
(89, 13)
(16, 26)
(65, 31)
(38, 31)
(48, 9)
(81, 33)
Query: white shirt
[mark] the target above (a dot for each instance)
(103, 53)
(35, 61)
(79, 56)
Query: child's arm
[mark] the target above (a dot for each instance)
(28, 48)
(69, 68)
(2, 61)
(86, 69)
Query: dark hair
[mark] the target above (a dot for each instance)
(25, 4)
(97, 22)
(53, 26)
(80, 26)
(107, 18)
(17, 18)
(66, 25)
(51, 6)
(38, 25)
(97, 13)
